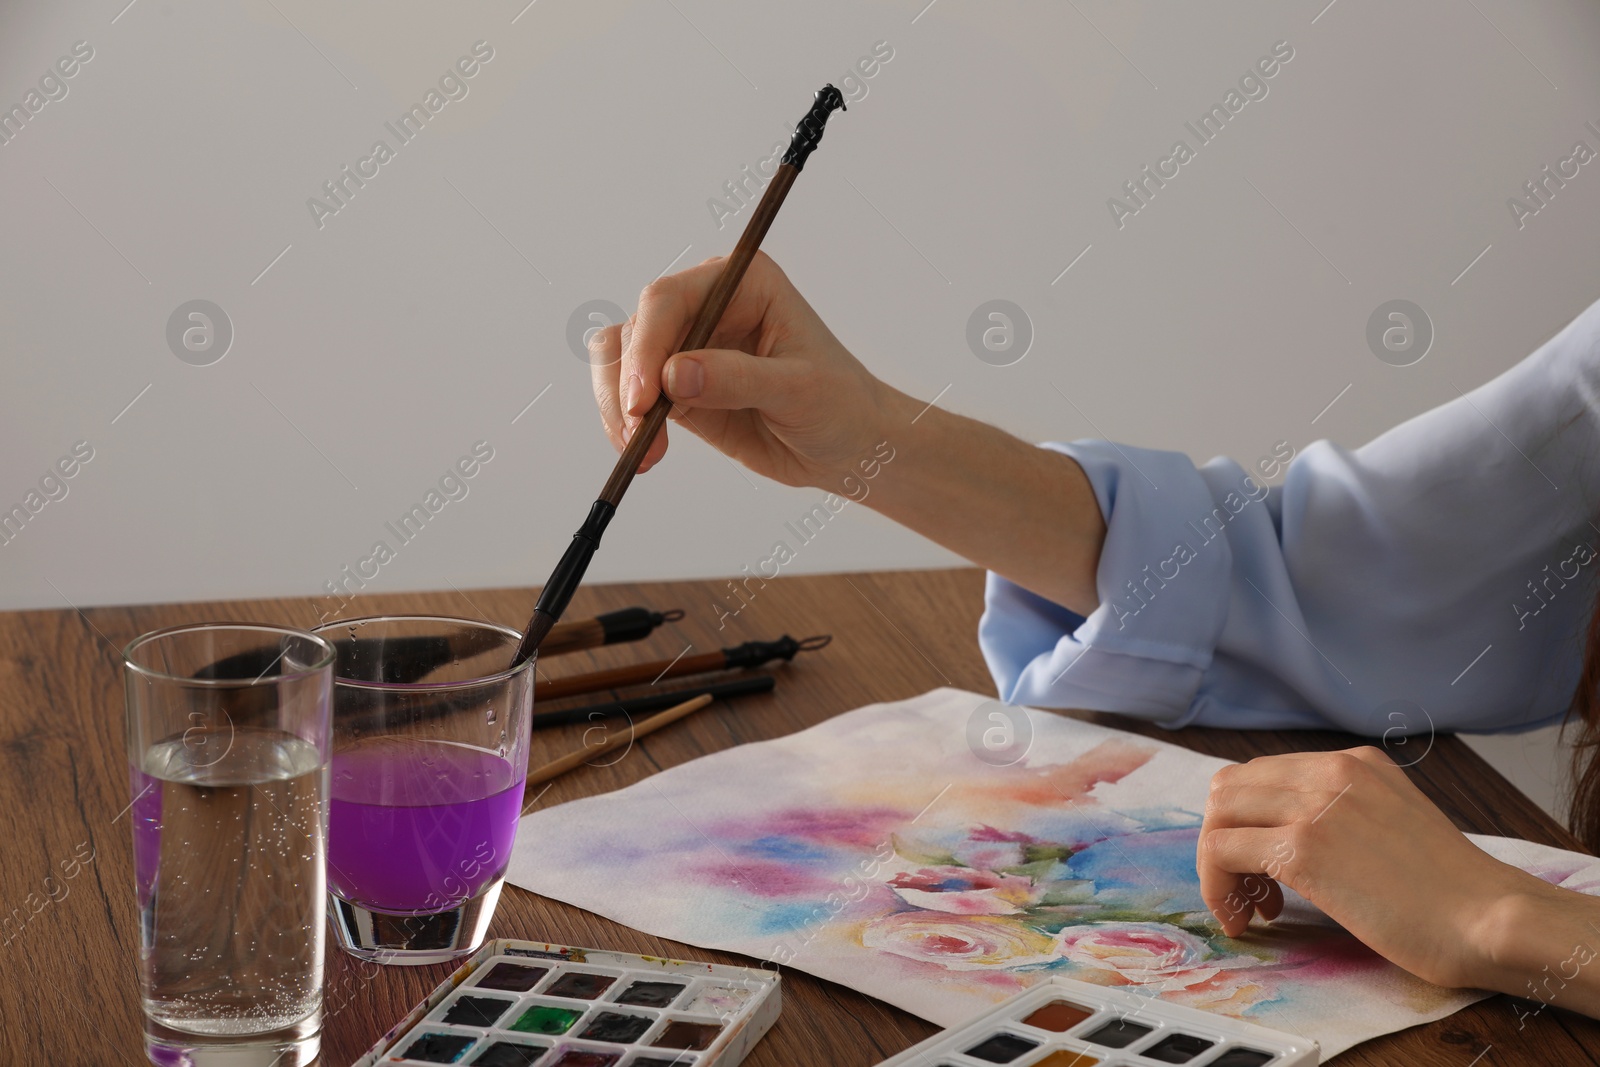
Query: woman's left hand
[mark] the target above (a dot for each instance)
(1350, 832)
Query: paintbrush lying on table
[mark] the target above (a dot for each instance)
(750, 654)
(620, 739)
(637, 730)
(411, 659)
(759, 682)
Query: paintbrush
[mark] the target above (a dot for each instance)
(631, 706)
(749, 654)
(619, 740)
(563, 581)
(610, 628)
(411, 659)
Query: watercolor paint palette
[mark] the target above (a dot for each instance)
(530, 1004)
(1064, 1023)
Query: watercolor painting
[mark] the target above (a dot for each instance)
(878, 851)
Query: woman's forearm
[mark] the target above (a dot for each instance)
(1027, 513)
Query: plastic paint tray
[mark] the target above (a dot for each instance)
(530, 1004)
(1063, 1023)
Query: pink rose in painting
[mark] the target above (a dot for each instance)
(1166, 961)
(960, 942)
(1139, 953)
(964, 891)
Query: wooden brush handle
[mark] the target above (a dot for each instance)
(610, 628)
(574, 562)
(620, 677)
(705, 323)
(550, 770)
(569, 571)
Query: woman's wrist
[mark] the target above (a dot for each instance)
(896, 412)
(1537, 941)
(870, 433)
(1028, 514)
(1499, 933)
(923, 437)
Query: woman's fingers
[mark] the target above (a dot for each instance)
(1268, 792)
(1228, 897)
(1274, 790)
(605, 349)
(1239, 868)
(771, 388)
(667, 308)
(605, 354)
(1238, 799)
(1259, 813)
(1254, 813)
(1272, 907)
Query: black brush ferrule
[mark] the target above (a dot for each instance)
(557, 593)
(808, 134)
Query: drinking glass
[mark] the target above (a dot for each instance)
(228, 751)
(430, 751)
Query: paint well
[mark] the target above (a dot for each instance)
(1118, 1033)
(618, 1028)
(439, 1048)
(476, 1011)
(1058, 1015)
(580, 985)
(1243, 1057)
(544, 1019)
(650, 994)
(680, 1034)
(1001, 1048)
(577, 1057)
(1066, 1058)
(512, 977)
(506, 1054)
(1177, 1048)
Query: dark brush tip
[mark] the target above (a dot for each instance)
(808, 134)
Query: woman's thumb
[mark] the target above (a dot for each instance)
(726, 379)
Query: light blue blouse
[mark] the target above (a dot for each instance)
(1440, 576)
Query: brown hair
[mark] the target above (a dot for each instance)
(1584, 814)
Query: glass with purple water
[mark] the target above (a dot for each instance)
(430, 749)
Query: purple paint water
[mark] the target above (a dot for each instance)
(417, 827)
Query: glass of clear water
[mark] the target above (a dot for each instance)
(228, 750)
(430, 751)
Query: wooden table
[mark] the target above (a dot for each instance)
(70, 994)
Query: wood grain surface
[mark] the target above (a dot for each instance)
(70, 994)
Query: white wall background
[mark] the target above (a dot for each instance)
(369, 354)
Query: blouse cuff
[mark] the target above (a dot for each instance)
(1163, 584)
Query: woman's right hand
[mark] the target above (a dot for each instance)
(778, 393)
(775, 389)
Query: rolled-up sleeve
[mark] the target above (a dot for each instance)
(1439, 577)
